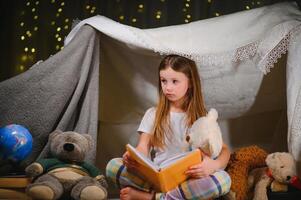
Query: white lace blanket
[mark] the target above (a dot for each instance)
(233, 52)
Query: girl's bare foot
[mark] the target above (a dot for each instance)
(129, 193)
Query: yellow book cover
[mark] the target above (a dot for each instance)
(170, 173)
(14, 181)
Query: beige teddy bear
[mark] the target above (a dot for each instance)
(205, 133)
(280, 170)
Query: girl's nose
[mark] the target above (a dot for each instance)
(168, 87)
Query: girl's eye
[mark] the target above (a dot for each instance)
(163, 81)
(175, 81)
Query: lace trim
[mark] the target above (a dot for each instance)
(240, 54)
(246, 51)
(220, 59)
(281, 48)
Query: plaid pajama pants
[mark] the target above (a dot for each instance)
(212, 186)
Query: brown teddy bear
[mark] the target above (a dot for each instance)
(66, 173)
(242, 161)
(280, 171)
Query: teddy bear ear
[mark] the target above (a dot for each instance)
(54, 134)
(212, 114)
(271, 159)
(88, 137)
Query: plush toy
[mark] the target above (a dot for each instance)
(66, 173)
(280, 171)
(206, 134)
(242, 161)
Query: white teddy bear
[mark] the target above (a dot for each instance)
(205, 134)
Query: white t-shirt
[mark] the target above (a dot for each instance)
(175, 144)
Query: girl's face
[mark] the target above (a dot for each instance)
(174, 84)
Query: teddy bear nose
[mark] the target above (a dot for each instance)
(68, 147)
(288, 178)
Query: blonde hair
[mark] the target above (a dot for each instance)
(193, 103)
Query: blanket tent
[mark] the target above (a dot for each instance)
(105, 78)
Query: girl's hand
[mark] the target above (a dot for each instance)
(128, 161)
(205, 168)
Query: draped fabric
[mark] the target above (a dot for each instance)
(59, 93)
(257, 37)
(233, 53)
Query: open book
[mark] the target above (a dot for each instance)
(170, 173)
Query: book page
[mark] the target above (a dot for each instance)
(171, 160)
(141, 158)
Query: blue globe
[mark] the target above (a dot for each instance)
(15, 142)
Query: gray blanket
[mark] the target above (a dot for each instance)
(59, 93)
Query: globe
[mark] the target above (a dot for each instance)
(15, 142)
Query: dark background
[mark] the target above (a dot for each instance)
(33, 30)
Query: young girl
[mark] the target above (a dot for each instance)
(164, 129)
